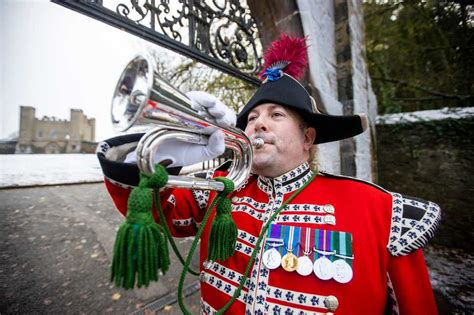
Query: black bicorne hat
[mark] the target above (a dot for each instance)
(280, 87)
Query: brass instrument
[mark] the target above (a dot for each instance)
(145, 100)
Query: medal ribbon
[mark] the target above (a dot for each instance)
(274, 237)
(330, 242)
(345, 247)
(307, 234)
(289, 237)
(293, 238)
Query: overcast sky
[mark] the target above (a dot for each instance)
(55, 59)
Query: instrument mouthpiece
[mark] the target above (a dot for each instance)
(258, 143)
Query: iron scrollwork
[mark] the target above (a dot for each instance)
(222, 29)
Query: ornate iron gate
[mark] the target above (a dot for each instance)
(219, 33)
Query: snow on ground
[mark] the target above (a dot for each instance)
(426, 115)
(18, 170)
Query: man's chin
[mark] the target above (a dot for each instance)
(260, 163)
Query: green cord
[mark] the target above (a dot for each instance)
(161, 215)
(190, 256)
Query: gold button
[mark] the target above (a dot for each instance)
(331, 303)
(328, 208)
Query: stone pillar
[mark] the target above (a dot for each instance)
(354, 88)
(344, 81)
(317, 18)
(337, 67)
(363, 98)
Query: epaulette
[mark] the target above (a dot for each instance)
(354, 179)
(414, 222)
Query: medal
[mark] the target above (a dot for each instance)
(323, 268)
(271, 258)
(342, 271)
(289, 262)
(305, 266)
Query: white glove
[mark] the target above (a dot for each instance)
(183, 153)
(209, 107)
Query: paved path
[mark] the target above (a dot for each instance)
(56, 248)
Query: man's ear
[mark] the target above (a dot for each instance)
(309, 137)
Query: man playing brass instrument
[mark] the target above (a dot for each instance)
(338, 244)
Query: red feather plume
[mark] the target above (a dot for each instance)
(287, 49)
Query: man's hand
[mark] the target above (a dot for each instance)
(209, 107)
(180, 153)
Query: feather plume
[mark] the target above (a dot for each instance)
(287, 50)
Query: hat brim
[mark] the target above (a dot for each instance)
(289, 93)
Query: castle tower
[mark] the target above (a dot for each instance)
(27, 130)
(75, 134)
(91, 123)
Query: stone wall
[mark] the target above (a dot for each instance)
(433, 160)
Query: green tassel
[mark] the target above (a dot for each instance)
(223, 235)
(141, 247)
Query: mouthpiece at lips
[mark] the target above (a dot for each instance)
(258, 143)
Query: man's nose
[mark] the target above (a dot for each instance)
(260, 124)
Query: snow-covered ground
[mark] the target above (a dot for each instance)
(426, 115)
(18, 170)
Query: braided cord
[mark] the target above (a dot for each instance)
(190, 256)
(167, 231)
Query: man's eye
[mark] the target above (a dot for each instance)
(251, 118)
(278, 114)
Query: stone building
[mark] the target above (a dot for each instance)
(52, 135)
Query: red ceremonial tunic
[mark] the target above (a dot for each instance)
(377, 234)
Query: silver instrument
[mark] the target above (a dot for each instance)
(144, 100)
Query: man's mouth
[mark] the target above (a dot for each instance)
(260, 140)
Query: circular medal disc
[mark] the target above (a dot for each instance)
(271, 258)
(305, 266)
(289, 262)
(323, 268)
(343, 271)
